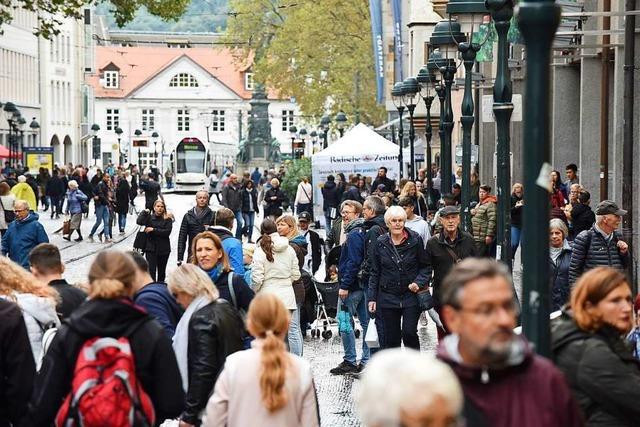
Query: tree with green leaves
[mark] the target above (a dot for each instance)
(52, 12)
(320, 53)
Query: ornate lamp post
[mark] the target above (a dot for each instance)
(9, 111)
(138, 133)
(35, 127)
(446, 35)
(314, 140)
(118, 132)
(501, 13)
(95, 143)
(397, 94)
(538, 21)
(465, 11)
(154, 138)
(20, 123)
(302, 133)
(427, 80)
(341, 120)
(325, 121)
(293, 131)
(411, 89)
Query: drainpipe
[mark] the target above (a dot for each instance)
(627, 149)
(604, 105)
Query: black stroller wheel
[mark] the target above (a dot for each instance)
(327, 334)
(357, 333)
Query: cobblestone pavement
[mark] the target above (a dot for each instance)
(335, 393)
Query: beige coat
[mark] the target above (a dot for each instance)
(237, 401)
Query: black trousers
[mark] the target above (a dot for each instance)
(400, 324)
(157, 264)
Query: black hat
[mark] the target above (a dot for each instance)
(304, 216)
(450, 210)
(609, 207)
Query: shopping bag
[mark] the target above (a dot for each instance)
(66, 226)
(371, 339)
(140, 242)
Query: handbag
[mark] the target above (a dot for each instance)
(140, 242)
(9, 215)
(371, 338)
(84, 206)
(66, 226)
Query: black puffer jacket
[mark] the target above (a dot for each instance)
(158, 240)
(559, 278)
(330, 197)
(156, 366)
(394, 268)
(190, 227)
(441, 260)
(582, 218)
(602, 373)
(590, 250)
(215, 331)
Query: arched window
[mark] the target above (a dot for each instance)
(183, 80)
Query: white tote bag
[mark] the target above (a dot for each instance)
(371, 339)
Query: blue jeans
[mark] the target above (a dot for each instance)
(516, 232)
(249, 218)
(294, 335)
(356, 302)
(102, 216)
(122, 221)
(239, 224)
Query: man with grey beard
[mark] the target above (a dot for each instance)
(504, 382)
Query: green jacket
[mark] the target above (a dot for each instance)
(484, 221)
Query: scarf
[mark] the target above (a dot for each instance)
(215, 273)
(554, 253)
(181, 338)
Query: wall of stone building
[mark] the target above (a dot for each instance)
(565, 115)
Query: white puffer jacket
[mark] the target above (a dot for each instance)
(278, 276)
(38, 313)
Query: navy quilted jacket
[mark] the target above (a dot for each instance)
(590, 250)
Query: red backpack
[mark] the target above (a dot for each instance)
(105, 391)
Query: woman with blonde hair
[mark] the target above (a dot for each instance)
(264, 386)
(209, 330)
(37, 302)
(419, 201)
(288, 227)
(157, 225)
(109, 312)
(588, 346)
(273, 198)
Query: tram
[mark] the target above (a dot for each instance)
(190, 165)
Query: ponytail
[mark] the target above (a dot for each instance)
(273, 372)
(266, 244)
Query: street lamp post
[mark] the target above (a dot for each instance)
(118, 131)
(314, 140)
(95, 143)
(411, 89)
(426, 80)
(20, 123)
(341, 120)
(538, 21)
(9, 111)
(446, 34)
(501, 13)
(397, 95)
(325, 121)
(293, 131)
(138, 133)
(303, 134)
(35, 127)
(465, 11)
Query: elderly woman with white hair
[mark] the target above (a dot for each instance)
(274, 198)
(76, 205)
(417, 390)
(399, 269)
(559, 262)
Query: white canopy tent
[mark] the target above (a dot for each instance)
(360, 151)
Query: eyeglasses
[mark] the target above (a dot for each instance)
(348, 212)
(488, 311)
(19, 210)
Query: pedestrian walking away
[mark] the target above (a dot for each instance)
(304, 197)
(123, 189)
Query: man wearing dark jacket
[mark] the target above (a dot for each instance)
(582, 216)
(382, 178)
(23, 234)
(232, 199)
(55, 190)
(193, 222)
(17, 368)
(151, 190)
(351, 294)
(601, 245)
(155, 297)
(330, 201)
(504, 383)
(47, 267)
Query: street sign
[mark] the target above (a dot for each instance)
(419, 157)
(487, 108)
(95, 145)
(140, 142)
(475, 153)
(38, 157)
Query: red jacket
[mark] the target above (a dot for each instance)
(528, 392)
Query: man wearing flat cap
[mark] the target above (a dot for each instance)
(446, 249)
(601, 245)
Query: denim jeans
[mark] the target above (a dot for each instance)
(356, 302)
(294, 335)
(249, 218)
(516, 232)
(122, 221)
(102, 216)
(239, 224)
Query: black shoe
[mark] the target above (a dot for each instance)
(344, 368)
(100, 236)
(361, 367)
(67, 238)
(79, 239)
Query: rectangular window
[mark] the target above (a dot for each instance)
(148, 119)
(287, 120)
(217, 124)
(183, 120)
(113, 118)
(248, 81)
(111, 79)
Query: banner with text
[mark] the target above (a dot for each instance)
(397, 40)
(375, 9)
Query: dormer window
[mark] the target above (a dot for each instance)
(111, 79)
(183, 80)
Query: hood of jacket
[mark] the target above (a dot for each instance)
(489, 198)
(29, 219)
(220, 231)
(40, 308)
(102, 317)
(300, 241)
(520, 356)
(358, 222)
(280, 244)
(565, 331)
(330, 185)
(376, 220)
